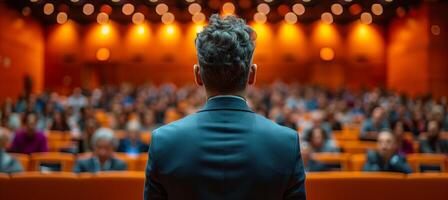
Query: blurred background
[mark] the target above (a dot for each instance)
(83, 84)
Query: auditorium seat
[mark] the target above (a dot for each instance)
(4, 181)
(357, 162)
(339, 159)
(355, 147)
(431, 186)
(146, 137)
(421, 161)
(41, 186)
(113, 186)
(63, 161)
(141, 163)
(23, 158)
(119, 134)
(354, 185)
(58, 140)
(131, 161)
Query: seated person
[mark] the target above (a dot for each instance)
(29, 140)
(103, 159)
(132, 143)
(317, 120)
(373, 125)
(386, 158)
(432, 142)
(309, 163)
(8, 164)
(404, 145)
(318, 141)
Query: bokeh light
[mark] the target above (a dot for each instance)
(48, 8)
(377, 9)
(337, 9)
(138, 18)
(366, 18)
(260, 18)
(291, 18)
(194, 8)
(161, 9)
(102, 18)
(298, 8)
(61, 18)
(326, 54)
(327, 18)
(88, 9)
(127, 9)
(103, 54)
(168, 18)
(263, 8)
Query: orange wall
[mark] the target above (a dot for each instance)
(21, 53)
(150, 53)
(417, 59)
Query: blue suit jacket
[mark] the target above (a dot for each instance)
(224, 151)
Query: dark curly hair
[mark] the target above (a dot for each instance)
(225, 48)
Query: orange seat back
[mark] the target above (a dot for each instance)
(427, 185)
(334, 158)
(417, 160)
(113, 185)
(39, 186)
(66, 160)
(357, 162)
(141, 163)
(131, 161)
(354, 185)
(58, 140)
(355, 147)
(24, 159)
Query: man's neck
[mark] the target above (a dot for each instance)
(213, 94)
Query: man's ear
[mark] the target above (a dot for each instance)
(197, 75)
(252, 74)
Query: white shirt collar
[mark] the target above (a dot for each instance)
(232, 96)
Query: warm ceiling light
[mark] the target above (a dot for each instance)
(348, 0)
(170, 30)
(263, 8)
(74, 1)
(337, 9)
(103, 54)
(401, 12)
(26, 11)
(115, 1)
(189, 1)
(327, 17)
(153, 1)
(138, 18)
(127, 9)
(88, 9)
(268, 1)
(194, 8)
(306, 0)
(298, 8)
(61, 18)
(48, 8)
(355, 9)
(102, 18)
(290, 18)
(377, 9)
(326, 54)
(435, 29)
(198, 18)
(228, 8)
(167, 18)
(34, 1)
(161, 8)
(389, 1)
(141, 29)
(260, 18)
(366, 18)
(105, 29)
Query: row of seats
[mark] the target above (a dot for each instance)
(66, 160)
(129, 185)
(345, 161)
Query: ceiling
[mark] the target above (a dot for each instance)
(243, 8)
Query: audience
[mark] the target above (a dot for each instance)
(318, 141)
(404, 145)
(432, 142)
(29, 140)
(103, 154)
(8, 164)
(386, 158)
(309, 163)
(373, 125)
(132, 144)
(314, 111)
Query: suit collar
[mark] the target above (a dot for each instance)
(225, 103)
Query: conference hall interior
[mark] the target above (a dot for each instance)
(359, 80)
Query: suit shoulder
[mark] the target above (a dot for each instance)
(274, 127)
